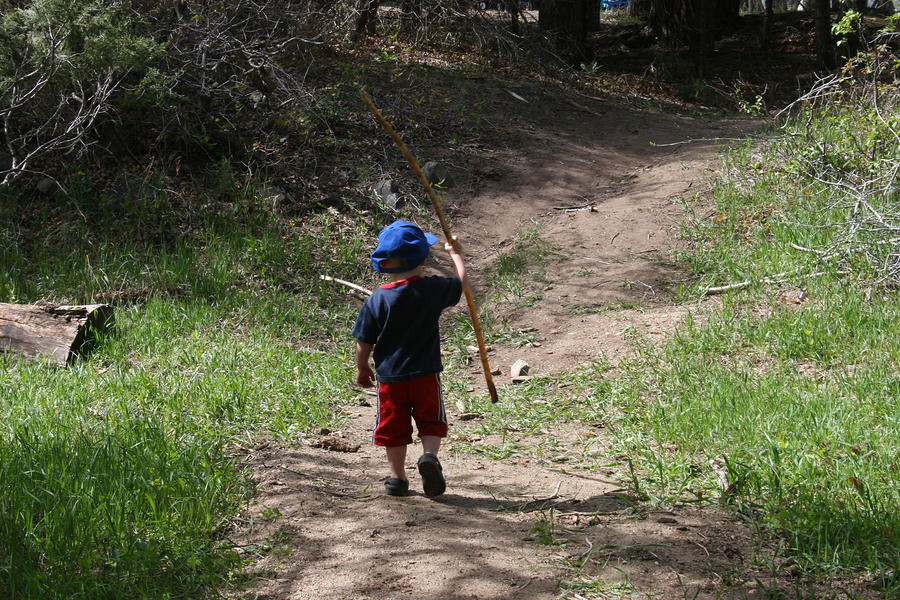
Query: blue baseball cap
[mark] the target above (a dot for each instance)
(402, 239)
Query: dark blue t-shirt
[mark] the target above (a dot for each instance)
(401, 320)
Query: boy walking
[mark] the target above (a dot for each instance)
(399, 322)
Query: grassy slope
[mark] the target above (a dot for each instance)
(116, 472)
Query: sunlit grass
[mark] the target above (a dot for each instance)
(119, 472)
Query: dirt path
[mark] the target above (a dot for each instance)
(323, 528)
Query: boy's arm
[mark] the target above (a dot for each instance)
(364, 374)
(455, 250)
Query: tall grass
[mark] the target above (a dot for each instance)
(789, 412)
(118, 473)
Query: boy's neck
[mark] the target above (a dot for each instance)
(406, 274)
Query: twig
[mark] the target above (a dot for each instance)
(773, 279)
(725, 288)
(692, 140)
(354, 286)
(584, 108)
(588, 513)
(525, 585)
(577, 207)
(584, 555)
(802, 249)
(552, 496)
(702, 547)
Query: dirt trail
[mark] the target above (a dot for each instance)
(337, 536)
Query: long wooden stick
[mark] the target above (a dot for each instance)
(438, 208)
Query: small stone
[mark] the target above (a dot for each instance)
(518, 368)
(363, 401)
(461, 406)
(410, 523)
(472, 349)
(437, 174)
(536, 344)
(387, 191)
(496, 372)
(668, 520)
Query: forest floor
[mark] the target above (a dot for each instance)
(600, 189)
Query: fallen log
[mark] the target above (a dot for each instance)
(55, 333)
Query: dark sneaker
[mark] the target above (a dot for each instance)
(394, 486)
(432, 475)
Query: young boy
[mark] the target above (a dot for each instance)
(399, 322)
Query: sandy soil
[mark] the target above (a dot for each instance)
(322, 527)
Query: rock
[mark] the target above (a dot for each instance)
(387, 192)
(437, 174)
(519, 368)
(335, 444)
(46, 186)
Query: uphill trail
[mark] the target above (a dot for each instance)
(600, 185)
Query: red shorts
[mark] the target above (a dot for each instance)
(399, 402)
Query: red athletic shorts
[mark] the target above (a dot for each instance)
(401, 401)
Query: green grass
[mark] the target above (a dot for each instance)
(795, 407)
(520, 266)
(806, 443)
(119, 472)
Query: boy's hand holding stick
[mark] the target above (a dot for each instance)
(452, 245)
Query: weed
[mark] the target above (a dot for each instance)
(543, 531)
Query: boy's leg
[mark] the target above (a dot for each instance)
(431, 444)
(431, 420)
(393, 430)
(396, 456)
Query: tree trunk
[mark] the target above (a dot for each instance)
(767, 25)
(824, 44)
(639, 8)
(57, 333)
(567, 17)
(365, 22)
(592, 16)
